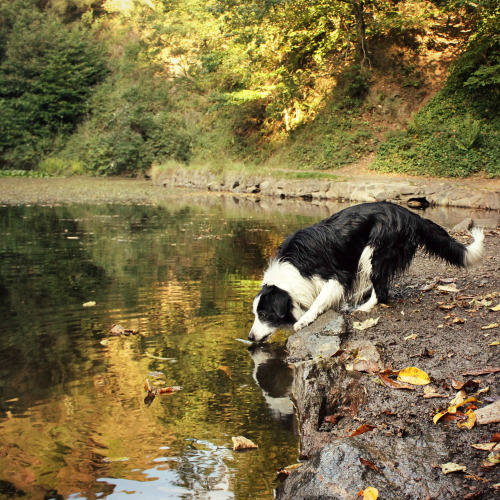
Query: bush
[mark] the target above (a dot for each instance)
(46, 77)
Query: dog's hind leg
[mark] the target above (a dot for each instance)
(330, 296)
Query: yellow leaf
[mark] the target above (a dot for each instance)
(414, 376)
(496, 308)
(439, 415)
(490, 326)
(470, 422)
(452, 467)
(90, 303)
(369, 493)
(495, 342)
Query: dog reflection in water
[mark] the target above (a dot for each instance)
(274, 377)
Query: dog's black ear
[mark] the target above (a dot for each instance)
(281, 303)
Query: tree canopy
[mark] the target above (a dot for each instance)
(116, 86)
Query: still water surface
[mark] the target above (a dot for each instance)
(73, 418)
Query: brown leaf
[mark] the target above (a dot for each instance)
(362, 429)
(369, 464)
(483, 371)
(338, 353)
(395, 384)
(496, 438)
(331, 419)
(365, 365)
(242, 443)
(489, 414)
(225, 369)
(431, 392)
(447, 280)
(490, 326)
(447, 307)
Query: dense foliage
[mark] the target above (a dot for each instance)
(117, 86)
(458, 133)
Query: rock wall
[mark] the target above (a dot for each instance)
(436, 192)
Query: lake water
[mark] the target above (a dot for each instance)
(75, 421)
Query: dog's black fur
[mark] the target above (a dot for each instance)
(331, 251)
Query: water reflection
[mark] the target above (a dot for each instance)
(274, 376)
(73, 419)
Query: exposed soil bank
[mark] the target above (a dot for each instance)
(436, 322)
(345, 186)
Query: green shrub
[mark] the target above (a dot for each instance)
(47, 74)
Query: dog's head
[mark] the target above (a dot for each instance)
(272, 308)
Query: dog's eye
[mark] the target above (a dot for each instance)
(262, 315)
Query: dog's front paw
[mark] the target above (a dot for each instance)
(298, 326)
(303, 322)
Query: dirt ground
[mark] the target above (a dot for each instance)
(450, 335)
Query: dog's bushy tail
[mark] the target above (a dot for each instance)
(437, 242)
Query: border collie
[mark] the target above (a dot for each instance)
(345, 257)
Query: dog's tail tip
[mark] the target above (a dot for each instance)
(477, 233)
(475, 251)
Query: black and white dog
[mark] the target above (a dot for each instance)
(345, 257)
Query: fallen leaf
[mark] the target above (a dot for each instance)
(364, 325)
(395, 384)
(242, 443)
(431, 392)
(225, 369)
(411, 337)
(470, 422)
(366, 365)
(484, 371)
(459, 398)
(484, 446)
(369, 464)
(495, 342)
(490, 326)
(90, 303)
(369, 493)
(455, 403)
(489, 414)
(493, 458)
(458, 321)
(448, 288)
(452, 467)
(284, 472)
(414, 376)
(496, 438)
(447, 307)
(496, 308)
(331, 419)
(120, 330)
(447, 280)
(362, 429)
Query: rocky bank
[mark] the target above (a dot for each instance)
(368, 187)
